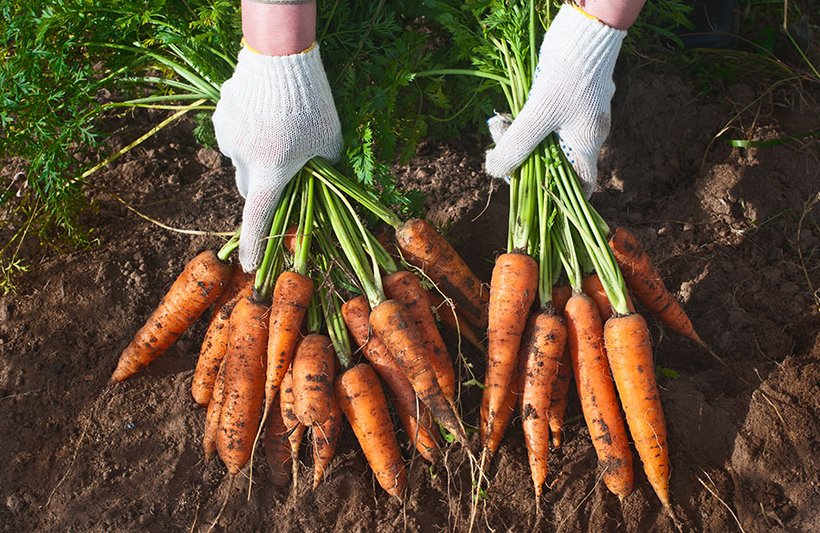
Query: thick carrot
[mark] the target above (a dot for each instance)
(540, 365)
(392, 324)
(213, 414)
(325, 438)
(362, 400)
(645, 283)
(558, 399)
(295, 429)
(447, 311)
(512, 292)
(413, 415)
(406, 289)
(244, 390)
(197, 287)
(291, 297)
(314, 368)
(596, 390)
(425, 248)
(560, 297)
(215, 343)
(629, 348)
(593, 288)
(277, 448)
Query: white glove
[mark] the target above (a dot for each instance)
(571, 95)
(274, 114)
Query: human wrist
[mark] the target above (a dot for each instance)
(618, 14)
(279, 29)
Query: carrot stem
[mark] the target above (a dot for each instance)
(228, 248)
(270, 266)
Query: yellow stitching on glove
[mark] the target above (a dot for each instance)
(257, 52)
(584, 13)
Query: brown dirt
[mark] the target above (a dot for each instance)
(732, 234)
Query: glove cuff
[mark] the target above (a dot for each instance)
(574, 34)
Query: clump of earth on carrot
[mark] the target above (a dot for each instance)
(337, 324)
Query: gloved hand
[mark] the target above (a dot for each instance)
(571, 94)
(274, 114)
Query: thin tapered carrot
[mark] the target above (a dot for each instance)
(314, 368)
(406, 289)
(295, 429)
(629, 348)
(215, 343)
(596, 391)
(558, 400)
(213, 414)
(425, 248)
(393, 325)
(197, 287)
(447, 311)
(593, 288)
(362, 400)
(244, 387)
(512, 292)
(325, 439)
(277, 447)
(540, 365)
(413, 415)
(291, 297)
(646, 284)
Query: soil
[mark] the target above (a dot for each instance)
(732, 232)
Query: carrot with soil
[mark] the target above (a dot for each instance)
(447, 312)
(213, 414)
(277, 447)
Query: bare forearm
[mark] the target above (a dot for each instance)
(618, 14)
(279, 29)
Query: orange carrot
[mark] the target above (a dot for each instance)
(596, 390)
(200, 284)
(629, 348)
(295, 429)
(558, 399)
(425, 248)
(325, 438)
(406, 289)
(512, 292)
(213, 414)
(450, 317)
(243, 392)
(289, 238)
(560, 296)
(277, 448)
(593, 288)
(362, 400)
(645, 283)
(540, 365)
(215, 343)
(392, 324)
(414, 415)
(314, 368)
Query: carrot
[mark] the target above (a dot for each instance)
(512, 292)
(629, 348)
(413, 415)
(425, 248)
(215, 343)
(558, 399)
(540, 365)
(243, 392)
(213, 414)
(289, 238)
(596, 390)
(502, 417)
(362, 400)
(406, 289)
(291, 297)
(325, 439)
(593, 288)
(277, 448)
(392, 324)
(295, 430)
(196, 288)
(314, 368)
(645, 283)
(560, 297)
(450, 317)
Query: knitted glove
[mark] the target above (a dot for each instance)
(274, 114)
(571, 94)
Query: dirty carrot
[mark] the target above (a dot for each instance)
(213, 414)
(277, 447)
(560, 296)
(197, 287)
(629, 348)
(447, 311)
(243, 392)
(504, 415)
(593, 288)
(295, 429)
(596, 391)
(558, 399)
(325, 439)
(362, 400)
(314, 368)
